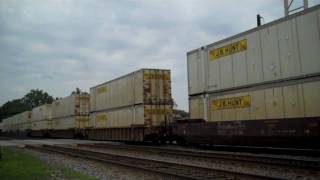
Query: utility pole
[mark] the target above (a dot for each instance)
(287, 5)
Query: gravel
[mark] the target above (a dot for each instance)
(262, 169)
(93, 169)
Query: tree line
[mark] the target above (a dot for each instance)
(32, 99)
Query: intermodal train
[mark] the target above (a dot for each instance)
(257, 88)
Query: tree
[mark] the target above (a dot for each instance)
(77, 91)
(36, 98)
(31, 100)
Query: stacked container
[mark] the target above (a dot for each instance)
(41, 118)
(71, 112)
(269, 72)
(139, 99)
(24, 123)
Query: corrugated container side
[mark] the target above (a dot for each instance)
(144, 86)
(64, 123)
(41, 117)
(23, 120)
(287, 101)
(43, 112)
(64, 107)
(140, 115)
(41, 125)
(280, 50)
(156, 86)
(71, 112)
(196, 107)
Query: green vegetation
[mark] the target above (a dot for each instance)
(31, 100)
(17, 164)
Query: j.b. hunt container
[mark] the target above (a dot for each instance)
(145, 86)
(285, 100)
(284, 49)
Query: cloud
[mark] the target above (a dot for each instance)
(62, 44)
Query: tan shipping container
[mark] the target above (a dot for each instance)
(12, 123)
(41, 125)
(139, 115)
(23, 120)
(6, 124)
(41, 117)
(71, 112)
(43, 112)
(71, 122)
(73, 105)
(295, 100)
(142, 86)
(284, 49)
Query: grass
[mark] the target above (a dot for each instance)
(17, 164)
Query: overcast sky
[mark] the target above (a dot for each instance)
(59, 45)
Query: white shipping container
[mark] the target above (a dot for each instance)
(71, 122)
(6, 124)
(24, 117)
(283, 49)
(140, 115)
(43, 112)
(142, 86)
(41, 125)
(71, 112)
(73, 105)
(10, 123)
(285, 101)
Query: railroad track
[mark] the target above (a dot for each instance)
(161, 167)
(275, 160)
(265, 150)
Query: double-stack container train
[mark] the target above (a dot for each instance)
(257, 88)
(134, 107)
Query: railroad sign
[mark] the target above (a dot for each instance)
(231, 103)
(228, 50)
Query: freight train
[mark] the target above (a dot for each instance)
(257, 88)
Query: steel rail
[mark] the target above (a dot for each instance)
(156, 166)
(251, 158)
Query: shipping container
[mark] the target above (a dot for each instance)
(71, 112)
(10, 123)
(287, 48)
(41, 125)
(43, 112)
(73, 105)
(23, 121)
(145, 86)
(127, 117)
(41, 117)
(70, 122)
(291, 99)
